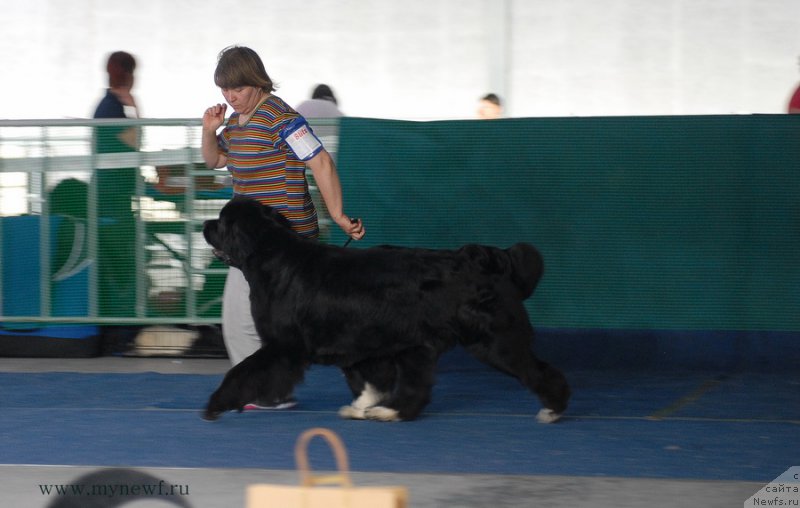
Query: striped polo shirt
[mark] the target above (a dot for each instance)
(263, 166)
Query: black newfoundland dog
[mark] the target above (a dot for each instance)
(383, 315)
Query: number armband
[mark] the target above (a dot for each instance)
(301, 139)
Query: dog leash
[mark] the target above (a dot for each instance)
(350, 239)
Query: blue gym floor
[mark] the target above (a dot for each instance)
(692, 425)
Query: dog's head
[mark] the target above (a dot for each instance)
(242, 222)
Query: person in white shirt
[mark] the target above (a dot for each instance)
(322, 104)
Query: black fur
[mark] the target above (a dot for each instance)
(384, 315)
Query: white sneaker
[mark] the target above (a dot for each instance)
(287, 403)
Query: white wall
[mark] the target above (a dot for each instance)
(413, 58)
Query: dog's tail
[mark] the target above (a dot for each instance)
(527, 267)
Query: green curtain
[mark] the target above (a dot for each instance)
(689, 223)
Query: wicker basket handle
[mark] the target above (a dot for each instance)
(307, 478)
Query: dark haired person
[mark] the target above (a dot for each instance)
(116, 224)
(118, 101)
(793, 108)
(266, 146)
(490, 107)
(322, 104)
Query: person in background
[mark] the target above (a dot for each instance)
(116, 223)
(490, 107)
(794, 101)
(322, 104)
(266, 146)
(119, 101)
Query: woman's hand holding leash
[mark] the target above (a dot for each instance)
(355, 230)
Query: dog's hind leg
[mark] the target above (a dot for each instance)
(414, 369)
(509, 350)
(371, 381)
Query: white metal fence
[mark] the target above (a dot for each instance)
(52, 223)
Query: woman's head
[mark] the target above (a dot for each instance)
(239, 66)
(490, 107)
(120, 69)
(323, 92)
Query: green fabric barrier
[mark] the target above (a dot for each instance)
(682, 223)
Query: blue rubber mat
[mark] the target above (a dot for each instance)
(679, 425)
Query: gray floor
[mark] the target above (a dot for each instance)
(21, 485)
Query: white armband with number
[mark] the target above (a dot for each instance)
(301, 139)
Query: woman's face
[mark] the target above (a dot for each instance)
(243, 99)
(488, 110)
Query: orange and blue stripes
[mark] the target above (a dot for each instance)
(263, 166)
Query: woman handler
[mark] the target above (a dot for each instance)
(266, 146)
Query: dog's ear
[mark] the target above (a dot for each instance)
(241, 241)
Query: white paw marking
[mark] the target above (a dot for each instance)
(352, 413)
(369, 397)
(383, 414)
(547, 416)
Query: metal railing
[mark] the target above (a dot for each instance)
(177, 280)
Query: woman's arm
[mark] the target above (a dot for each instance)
(213, 118)
(327, 179)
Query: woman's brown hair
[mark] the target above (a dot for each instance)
(241, 66)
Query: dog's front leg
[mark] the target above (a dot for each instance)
(264, 375)
(231, 393)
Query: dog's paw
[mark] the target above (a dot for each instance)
(210, 416)
(352, 413)
(382, 414)
(547, 416)
(369, 397)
